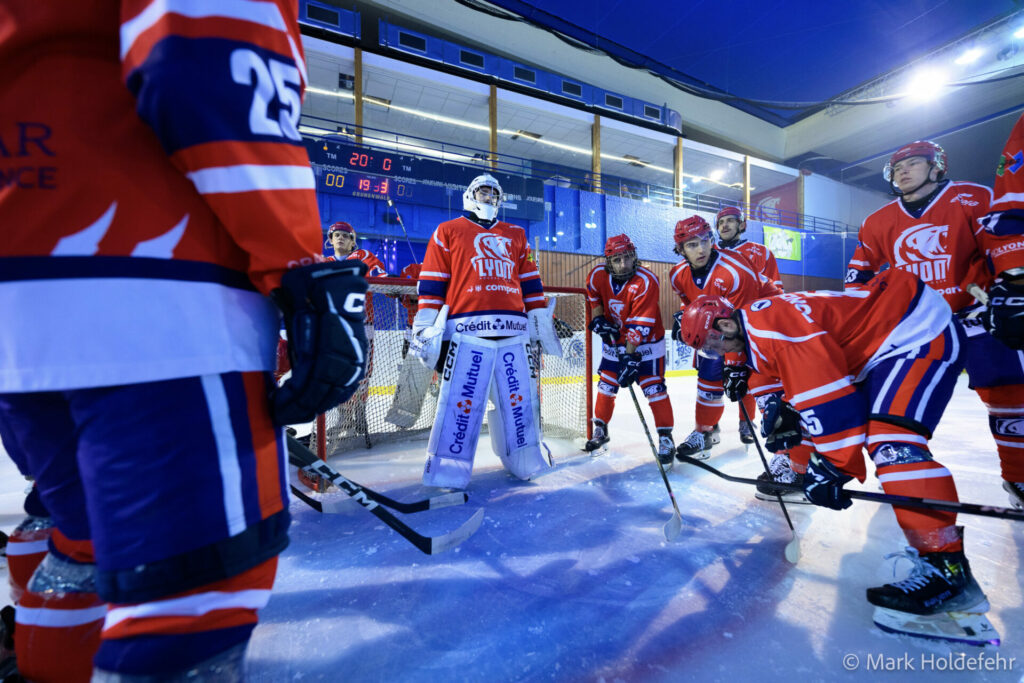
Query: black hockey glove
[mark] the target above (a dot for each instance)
(734, 379)
(677, 326)
(1004, 315)
(605, 329)
(629, 369)
(823, 484)
(780, 425)
(323, 316)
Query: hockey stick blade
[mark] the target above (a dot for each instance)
(302, 457)
(883, 498)
(674, 526)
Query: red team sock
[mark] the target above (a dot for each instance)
(1006, 411)
(604, 404)
(751, 405)
(662, 410)
(58, 632)
(799, 456)
(927, 530)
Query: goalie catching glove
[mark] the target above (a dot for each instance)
(323, 317)
(541, 323)
(427, 335)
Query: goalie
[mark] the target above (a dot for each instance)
(481, 302)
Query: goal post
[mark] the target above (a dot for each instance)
(372, 415)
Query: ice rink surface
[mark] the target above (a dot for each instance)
(570, 577)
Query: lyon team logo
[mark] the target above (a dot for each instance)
(922, 250)
(493, 256)
(615, 307)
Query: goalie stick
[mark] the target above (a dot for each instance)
(882, 498)
(431, 545)
(302, 457)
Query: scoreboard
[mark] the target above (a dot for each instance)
(354, 171)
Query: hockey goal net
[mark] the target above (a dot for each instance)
(369, 417)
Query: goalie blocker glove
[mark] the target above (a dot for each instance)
(823, 484)
(1004, 315)
(780, 424)
(605, 329)
(323, 316)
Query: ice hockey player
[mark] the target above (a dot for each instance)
(479, 267)
(623, 299)
(931, 230)
(342, 237)
(156, 223)
(706, 269)
(789, 465)
(851, 365)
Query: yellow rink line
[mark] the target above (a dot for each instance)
(389, 389)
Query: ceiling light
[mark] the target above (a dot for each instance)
(1019, 33)
(969, 56)
(527, 134)
(716, 175)
(926, 84)
(634, 161)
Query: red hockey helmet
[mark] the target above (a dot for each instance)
(729, 211)
(619, 244)
(691, 227)
(919, 148)
(340, 226)
(699, 318)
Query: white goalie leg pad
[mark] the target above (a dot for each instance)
(465, 379)
(413, 382)
(515, 422)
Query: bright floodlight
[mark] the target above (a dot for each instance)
(926, 84)
(969, 56)
(717, 174)
(1019, 33)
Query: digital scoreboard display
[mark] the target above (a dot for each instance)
(346, 169)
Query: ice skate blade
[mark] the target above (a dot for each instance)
(1014, 500)
(970, 628)
(792, 497)
(597, 452)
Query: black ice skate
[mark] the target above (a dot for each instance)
(698, 444)
(780, 472)
(666, 448)
(938, 600)
(1016, 492)
(595, 446)
(746, 433)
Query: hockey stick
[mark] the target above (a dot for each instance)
(884, 498)
(402, 224)
(431, 545)
(302, 457)
(675, 525)
(793, 547)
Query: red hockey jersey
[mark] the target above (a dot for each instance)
(1004, 227)
(943, 247)
(374, 266)
(153, 188)
(633, 306)
(485, 276)
(761, 257)
(727, 274)
(411, 272)
(818, 344)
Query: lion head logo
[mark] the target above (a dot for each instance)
(922, 243)
(490, 245)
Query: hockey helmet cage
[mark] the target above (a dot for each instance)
(919, 148)
(486, 210)
(698, 320)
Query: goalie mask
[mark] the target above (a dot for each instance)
(620, 257)
(483, 197)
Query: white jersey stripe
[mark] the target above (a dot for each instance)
(58, 618)
(227, 452)
(190, 605)
(252, 178)
(930, 473)
(822, 390)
